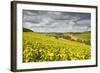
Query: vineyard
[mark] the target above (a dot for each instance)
(45, 47)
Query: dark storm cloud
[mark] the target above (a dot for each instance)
(50, 21)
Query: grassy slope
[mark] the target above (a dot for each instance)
(51, 49)
(82, 37)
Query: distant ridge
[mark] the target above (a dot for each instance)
(64, 32)
(27, 30)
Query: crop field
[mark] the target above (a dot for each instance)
(43, 47)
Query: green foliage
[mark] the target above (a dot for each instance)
(27, 30)
(40, 48)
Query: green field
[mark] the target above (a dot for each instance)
(42, 47)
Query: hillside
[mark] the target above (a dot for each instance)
(27, 30)
(41, 48)
(82, 37)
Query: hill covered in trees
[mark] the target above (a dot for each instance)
(27, 30)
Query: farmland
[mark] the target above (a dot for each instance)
(43, 47)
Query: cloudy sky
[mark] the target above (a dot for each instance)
(52, 21)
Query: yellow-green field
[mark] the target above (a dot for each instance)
(41, 47)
